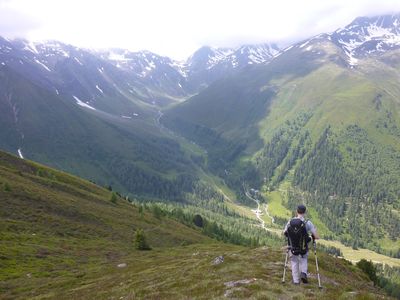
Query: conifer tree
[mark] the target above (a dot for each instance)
(113, 198)
(140, 240)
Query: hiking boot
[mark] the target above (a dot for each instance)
(303, 277)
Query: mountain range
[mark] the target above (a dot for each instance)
(144, 75)
(87, 111)
(318, 124)
(317, 121)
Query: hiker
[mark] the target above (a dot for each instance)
(297, 231)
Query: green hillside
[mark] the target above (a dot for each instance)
(327, 131)
(63, 237)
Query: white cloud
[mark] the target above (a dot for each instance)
(178, 27)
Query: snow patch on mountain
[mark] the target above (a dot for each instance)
(304, 44)
(83, 104)
(20, 153)
(78, 61)
(42, 64)
(99, 89)
(180, 66)
(309, 48)
(287, 49)
(30, 46)
(118, 56)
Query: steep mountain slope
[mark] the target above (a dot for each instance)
(164, 77)
(95, 113)
(69, 71)
(72, 135)
(317, 119)
(63, 237)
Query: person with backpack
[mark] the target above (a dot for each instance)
(297, 231)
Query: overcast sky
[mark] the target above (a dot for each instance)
(178, 27)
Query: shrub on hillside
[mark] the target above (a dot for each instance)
(198, 221)
(369, 269)
(113, 198)
(140, 240)
(7, 187)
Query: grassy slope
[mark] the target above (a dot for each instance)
(63, 238)
(58, 228)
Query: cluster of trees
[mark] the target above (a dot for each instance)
(353, 186)
(390, 272)
(274, 153)
(322, 170)
(353, 183)
(229, 227)
(357, 223)
(383, 276)
(223, 154)
(330, 250)
(287, 145)
(295, 153)
(140, 181)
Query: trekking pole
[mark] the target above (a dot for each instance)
(286, 259)
(316, 262)
(284, 268)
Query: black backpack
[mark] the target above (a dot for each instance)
(298, 237)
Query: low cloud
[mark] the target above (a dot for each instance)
(14, 23)
(176, 27)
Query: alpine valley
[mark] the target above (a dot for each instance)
(237, 137)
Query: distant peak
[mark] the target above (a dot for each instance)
(384, 21)
(368, 35)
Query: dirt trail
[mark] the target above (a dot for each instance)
(259, 213)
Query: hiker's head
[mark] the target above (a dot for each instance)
(301, 209)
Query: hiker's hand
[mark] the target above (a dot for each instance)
(313, 238)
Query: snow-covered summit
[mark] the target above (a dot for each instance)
(209, 57)
(257, 54)
(366, 35)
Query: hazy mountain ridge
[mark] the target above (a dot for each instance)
(209, 64)
(140, 75)
(202, 68)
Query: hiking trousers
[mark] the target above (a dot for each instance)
(299, 265)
